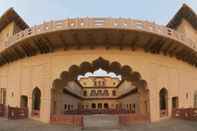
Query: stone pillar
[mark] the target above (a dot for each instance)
(143, 101)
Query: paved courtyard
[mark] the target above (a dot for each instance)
(165, 125)
(30, 125)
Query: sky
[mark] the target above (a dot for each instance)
(37, 11)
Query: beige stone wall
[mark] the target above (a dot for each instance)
(131, 100)
(16, 28)
(5, 34)
(112, 82)
(125, 87)
(62, 99)
(86, 82)
(8, 31)
(91, 81)
(74, 88)
(186, 28)
(22, 76)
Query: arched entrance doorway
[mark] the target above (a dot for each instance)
(118, 90)
(163, 95)
(36, 102)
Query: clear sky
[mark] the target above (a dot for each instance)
(37, 11)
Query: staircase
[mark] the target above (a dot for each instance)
(101, 122)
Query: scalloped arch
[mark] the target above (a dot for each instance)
(125, 71)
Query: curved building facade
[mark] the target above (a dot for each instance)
(148, 69)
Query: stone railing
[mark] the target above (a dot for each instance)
(126, 119)
(72, 120)
(185, 113)
(103, 23)
(98, 111)
(17, 113)
(78, 120)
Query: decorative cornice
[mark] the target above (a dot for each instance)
(81, 33)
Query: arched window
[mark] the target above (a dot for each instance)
(95, 83)
(175, 102)
(113, 93)
(84, 93)
(93, 105)
(134, 109)
(69, 107)
(65, 106)
(105, 93)
(103, 83)
(106, 106)
(36, 99)
(99, 83)
(93, 93)
(99, 92)
(99, 105)
(24, 101)
(130, 107)
(163, 94)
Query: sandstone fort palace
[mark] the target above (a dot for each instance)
(82, 66)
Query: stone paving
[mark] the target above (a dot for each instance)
(30, 125)
(165, 125)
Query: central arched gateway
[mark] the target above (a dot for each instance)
(117, 90)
